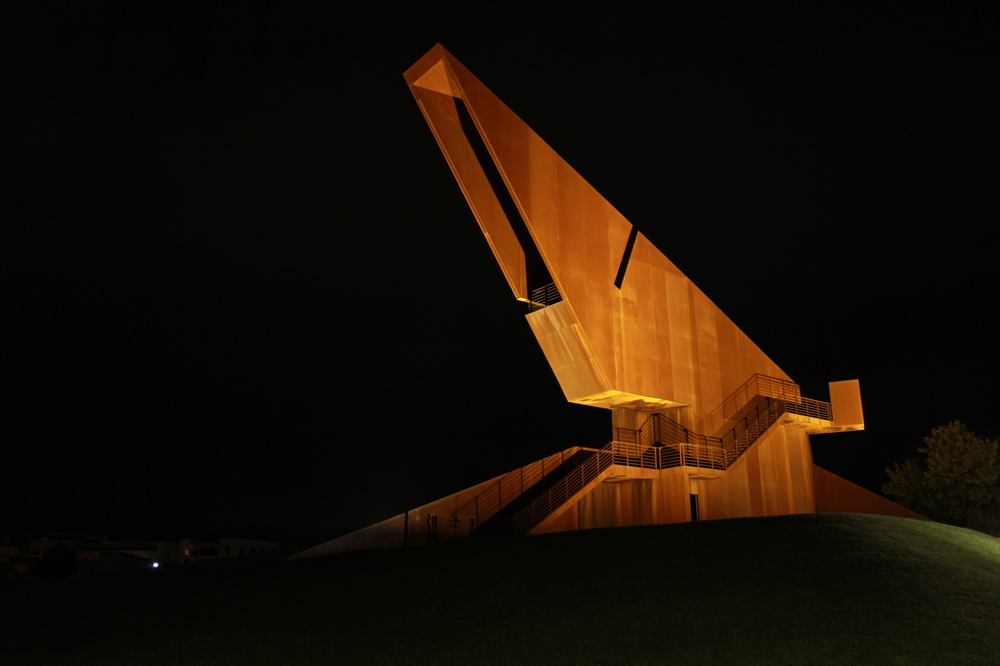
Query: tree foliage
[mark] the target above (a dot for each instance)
(957, 481)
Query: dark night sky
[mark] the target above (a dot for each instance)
(243, 294)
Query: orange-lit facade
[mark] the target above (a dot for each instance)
(705, 425)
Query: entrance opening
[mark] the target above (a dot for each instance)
(694, 507)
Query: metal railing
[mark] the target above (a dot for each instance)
(705, 456)
(663, 443)
(644, 437)
(636, 455)
(816, 409)
(543, 297)
(718, 420)
(509, 487)
(449, 526)
(553, 498)
(748, 430)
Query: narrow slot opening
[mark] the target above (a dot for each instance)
(539, 280)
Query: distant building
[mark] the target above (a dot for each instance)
(13, 565)
(126, 555)
(95, 555)
(38, 543)
(704, 424)
(19, 560)
(194, 551)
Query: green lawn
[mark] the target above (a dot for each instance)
(805, 589)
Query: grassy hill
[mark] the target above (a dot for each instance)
(803, 589)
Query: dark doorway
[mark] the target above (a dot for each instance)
(694, 507)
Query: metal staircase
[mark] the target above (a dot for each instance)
(742, 418)
(522, 499)
(544, 497)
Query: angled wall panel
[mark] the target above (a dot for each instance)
(834, 494)
(655, 338)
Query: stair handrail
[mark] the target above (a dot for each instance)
(674, 445)
(632, 454)
(544, 296)
(510, 486)
(662, 443)
(751, 427)
(543, 505)
(758, 385)
(816, 409)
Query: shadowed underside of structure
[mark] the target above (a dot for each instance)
(705, 425)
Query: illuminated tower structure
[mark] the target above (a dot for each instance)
(705, 425)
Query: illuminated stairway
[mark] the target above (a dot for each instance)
(568, 475)
(731, 429)
(521, 500)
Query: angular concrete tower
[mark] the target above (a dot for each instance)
(705, 425)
